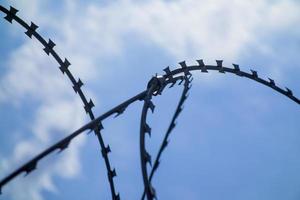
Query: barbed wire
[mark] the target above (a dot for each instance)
(171, 77)
(64, 67)
(155, 87)
(187, 85)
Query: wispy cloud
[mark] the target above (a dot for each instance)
(87, 32)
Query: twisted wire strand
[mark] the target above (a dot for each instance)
(184, 95)
(172, 77)
(64, 67)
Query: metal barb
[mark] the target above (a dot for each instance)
(64, 66)
(31, 30)
(11, 14)
(202, 66)
(272, 82)
(88, 107)
(49, 47)
(77, 85)
(254, 74)
(106, 150)
(185, 69)
(220, 66)
(30, 167)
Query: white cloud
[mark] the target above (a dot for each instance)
(192, 28)
(87, 33)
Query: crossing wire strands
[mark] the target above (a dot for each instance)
(64, 67)
(155, 87)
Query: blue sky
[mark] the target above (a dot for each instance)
(236, 139)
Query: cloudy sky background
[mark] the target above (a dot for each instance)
(235, 139)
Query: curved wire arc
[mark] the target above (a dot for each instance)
(155, 87)
(187, 85)
(185, 71)
(64, 67)
(236, 70)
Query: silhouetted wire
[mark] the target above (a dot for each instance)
(64, 67)
(187, 80)
(186, 71)
(155, 87)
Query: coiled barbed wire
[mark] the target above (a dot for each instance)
(155, 87)
(64, 67)
(172, 77)
(187, 86)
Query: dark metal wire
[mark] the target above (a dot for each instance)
(63, 144)
(155, 87)
(187, 85)
(170, 77)
(64, 67)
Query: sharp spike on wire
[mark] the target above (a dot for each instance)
(183, 64)
(147, 129)
(220, 66)
(289, 92)
(49, 47)
(31, 29)
(112, 173)
(237, 69)
(147, 158)
(254, 73)
(168, 71)
(153, 192)
(64, 145)
(185, 68)
(181, 81)
(156, 165)
(65, 65)
(173, 125)
(219, 63)
(165, 144)
(151, 106)
(272, 82)
(98, 127)
(77, 86)
(11, 14)
(88, 107)
(172, 85)
(202, 66)
(106, 150)
(200, 62)
(30, 167)
(120, 111)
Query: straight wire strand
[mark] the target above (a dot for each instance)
(62, 144)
